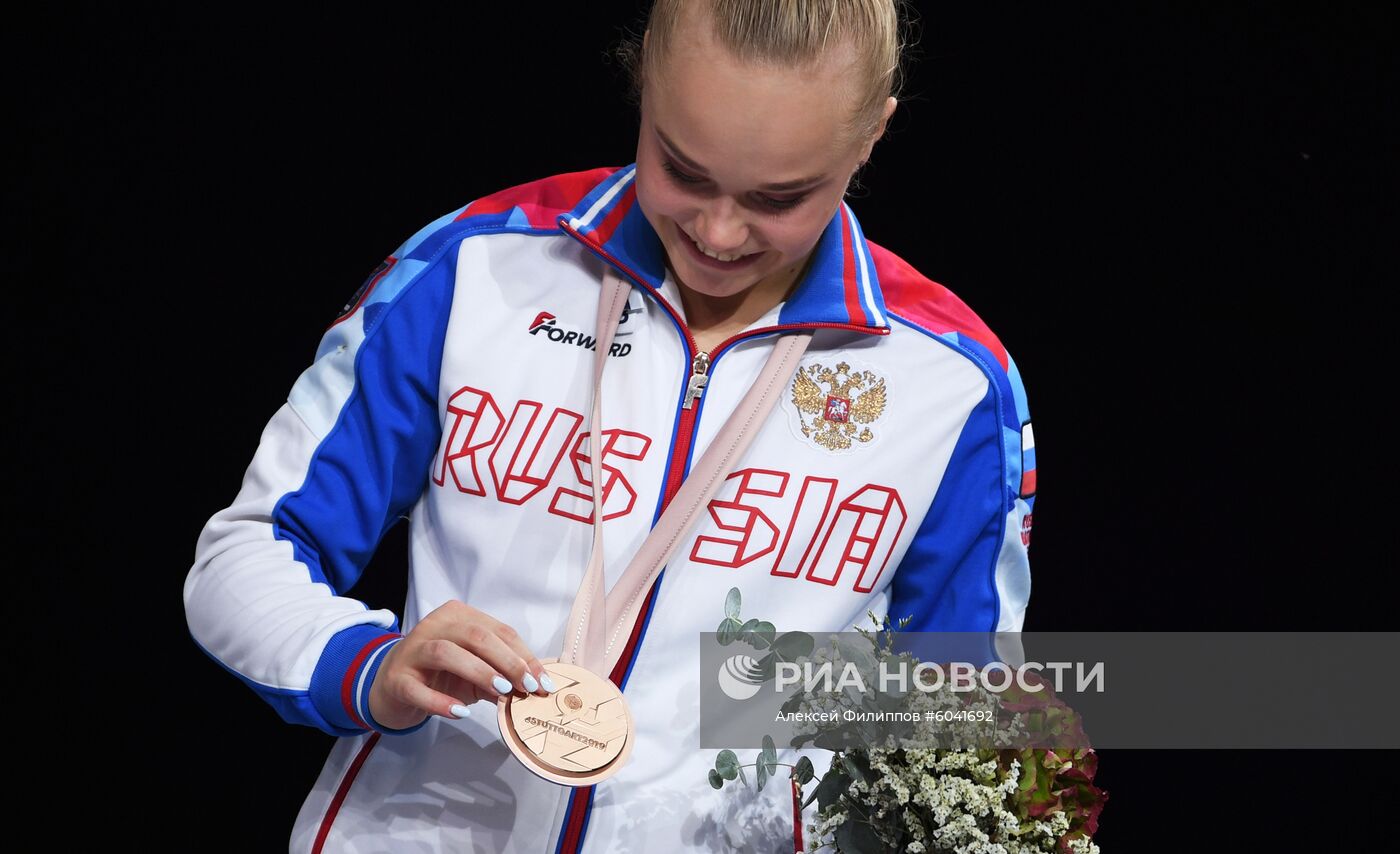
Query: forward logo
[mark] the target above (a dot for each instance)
(547, 324)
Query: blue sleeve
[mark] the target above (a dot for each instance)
(967, 568)
(338, 464)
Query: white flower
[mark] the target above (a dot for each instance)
(941, 792)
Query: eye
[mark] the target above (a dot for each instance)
(685, 179)
(678, 176)
(782, 204)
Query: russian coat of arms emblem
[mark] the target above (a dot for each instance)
(836, 406)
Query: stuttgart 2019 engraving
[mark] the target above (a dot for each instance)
(577, 736)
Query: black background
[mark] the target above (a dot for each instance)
(1173, 218)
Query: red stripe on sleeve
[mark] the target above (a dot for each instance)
(347, 685)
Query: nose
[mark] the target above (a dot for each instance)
(721, 226)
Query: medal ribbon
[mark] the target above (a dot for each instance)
(599, 618)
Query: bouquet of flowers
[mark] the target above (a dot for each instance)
(969, 791)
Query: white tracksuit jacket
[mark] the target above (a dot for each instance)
(896, 475)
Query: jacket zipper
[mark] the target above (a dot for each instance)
(695, 387)
(685, 430)
(701, 362)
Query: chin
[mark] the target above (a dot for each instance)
(710, 284)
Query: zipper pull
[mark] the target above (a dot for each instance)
(698, 379)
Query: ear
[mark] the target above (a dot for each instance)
(640, 59)
(890, 104)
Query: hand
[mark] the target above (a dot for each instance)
(453, 657)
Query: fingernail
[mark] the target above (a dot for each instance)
(501, 685)
(547, 683)
(530, 684)
(460, 711)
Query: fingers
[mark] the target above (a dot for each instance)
(452, 658)
(401, 695)
(499, 661)
(511, 638)
(515, 667)
(431, 701)
(481, 677)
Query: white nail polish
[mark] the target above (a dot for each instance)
(530, 684)
(461, 711)
(548, 683)
(501, 685)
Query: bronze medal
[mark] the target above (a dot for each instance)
(578, 735)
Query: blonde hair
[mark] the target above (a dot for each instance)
(790, 33)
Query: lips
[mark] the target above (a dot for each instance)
(714, 263)
(726, 257)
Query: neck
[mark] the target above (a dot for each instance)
(716, 318)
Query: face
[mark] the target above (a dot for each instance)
(742, 162)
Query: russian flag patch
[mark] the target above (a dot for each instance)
(1027, 461)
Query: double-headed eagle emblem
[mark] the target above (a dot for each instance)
(831, 403)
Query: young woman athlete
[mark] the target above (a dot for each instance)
(895, 475)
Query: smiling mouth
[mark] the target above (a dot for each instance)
(716, 257)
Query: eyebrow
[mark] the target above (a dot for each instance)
(691, 164)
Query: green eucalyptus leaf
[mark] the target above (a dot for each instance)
(769, 756)
(793, 645)
(762, 769)
(749, 625)
(731, 604)
(727, 764)
(715, 779)
(765, 632)
(804, 772)
(742, 778)
(728, 631)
